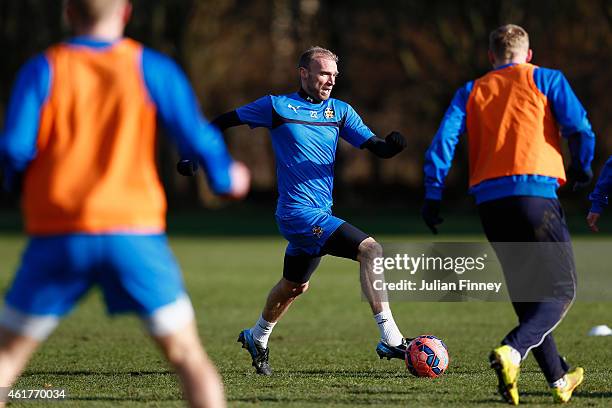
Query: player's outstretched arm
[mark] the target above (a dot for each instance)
(388, 147)
(227, 120)
(255, 114)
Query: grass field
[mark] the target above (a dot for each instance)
(322, 352)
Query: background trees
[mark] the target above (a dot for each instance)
(400, 62)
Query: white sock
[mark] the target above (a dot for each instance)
(261, 331)
(388, 329)
(515, 356)
(560, 383)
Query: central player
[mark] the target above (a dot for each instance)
(305, 127)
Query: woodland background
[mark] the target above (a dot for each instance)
(400, 64)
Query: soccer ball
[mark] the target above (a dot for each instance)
(427, 356)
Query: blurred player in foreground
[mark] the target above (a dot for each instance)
(305, 127)
(80, 132)
(512, 117)
(599, 196)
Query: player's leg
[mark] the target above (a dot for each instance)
(552, 364)
(201, 382)
(505, 359)
(542, 267)
(142, 276)
(533, 318)
(52, 277)
(297, 271)
(531, 335)
(563, 380)
(560, 378)
(349, 242)
(367, 251)
(15, 352)
(557, 271)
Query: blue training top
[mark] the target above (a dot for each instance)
(569, 114)
(168, 88)
(304, 139)
(603, 188)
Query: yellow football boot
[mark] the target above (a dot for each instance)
(507, 373)
(573, 379)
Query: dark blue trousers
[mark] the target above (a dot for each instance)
(541, 278)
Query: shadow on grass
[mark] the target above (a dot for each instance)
(592, 394)
(489, 402)
(95, 373)
(578, 394)
(323, 401)
(121, 399)
(323, 373)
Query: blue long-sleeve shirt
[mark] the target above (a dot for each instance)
(603, 188)
(569, 114)
(169, 89)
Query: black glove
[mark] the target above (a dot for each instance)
(187, 167)
(431, 214)
(11, 184)
(579, 178)
(396, 141)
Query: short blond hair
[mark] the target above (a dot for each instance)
(91, 11)
(508, 40)
(314, 52)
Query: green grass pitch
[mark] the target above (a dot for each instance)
(322, 351)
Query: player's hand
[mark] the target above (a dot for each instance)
(241, 181)
(579, 178)
(187, 168)
(431, 214)
(591, 220)
(396, 141)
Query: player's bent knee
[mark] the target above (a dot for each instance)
(369, 249)
(295, 288)
(301, 288)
